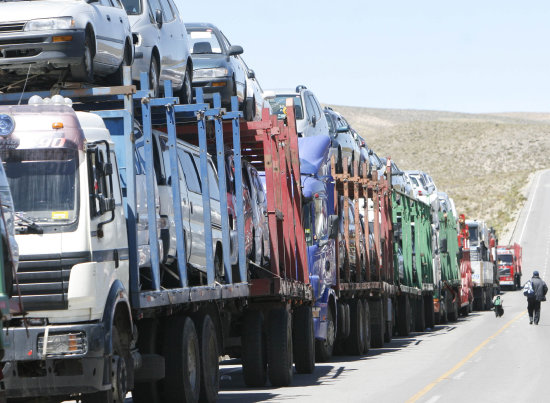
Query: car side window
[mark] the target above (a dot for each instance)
(106, 3)
(167, 12)
(213, 183)
(154, 5)
(189, 171)
(331, 126)
(116, 3)
(309, 107)
(316, 106)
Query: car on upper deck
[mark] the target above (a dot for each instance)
(57, 40)
(310, 119)
(161, 46)
(343, 144)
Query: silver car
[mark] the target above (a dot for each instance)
(47, 38)
(162, 50)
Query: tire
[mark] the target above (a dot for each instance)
(404, 316)
(420, 318)
(254, 359)
(182, 357)
(117, 78)
(85, 70)
(339, 162)
(209, 351)
(186, 92)
(249, 106)
(119, 375)
(341, 321)
(377, 325)
(148, 343)
(325, 348)
(219, 269)
(154, 83)
(354, 343)
(429, 311)
(366, 327)
(303, 340)
(453, 312)
(279, 347)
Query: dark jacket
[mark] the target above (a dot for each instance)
(540, 288)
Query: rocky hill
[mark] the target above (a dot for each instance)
(482, 160)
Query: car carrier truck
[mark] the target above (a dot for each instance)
(121, 291)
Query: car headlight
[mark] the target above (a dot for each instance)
(210, 73)
(50, 23)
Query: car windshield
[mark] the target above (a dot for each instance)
(132, 7)
(203, 41)
(44, 184)
(278, 106)
(505, 259)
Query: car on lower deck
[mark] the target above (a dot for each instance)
(67, 40)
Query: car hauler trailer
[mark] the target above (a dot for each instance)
(447, 293)
(482, 248)
(110, 305)
(414, 261)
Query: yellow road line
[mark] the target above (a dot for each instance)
(447, 374)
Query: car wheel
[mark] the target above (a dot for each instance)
(84, 71)
(186, 92)
(250, 104)
(154, 84)
(117, 78)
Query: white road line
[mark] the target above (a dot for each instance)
(433, 399)
(529, 210)
(460, 375)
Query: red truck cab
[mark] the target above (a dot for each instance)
(509, 265)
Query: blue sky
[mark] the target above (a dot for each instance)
(468, 56)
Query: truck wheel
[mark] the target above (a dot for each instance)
(119, 375)
(210, 370)
(354, 343)
(182, 361)
(377, 323)
(429, 311)
(148, 330)
(254, 358)
(279, 347)
(366, 327)
(324, 348)
(483, 301)
(404, 315)
(453, 312)
(419, 317)
(303, 339)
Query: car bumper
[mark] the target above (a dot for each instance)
(222, 85)
(26, 374)
(38, 50)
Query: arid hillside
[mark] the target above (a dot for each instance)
(482, 160)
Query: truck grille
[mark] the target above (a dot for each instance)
(12, 27)
(474, 255)
(44, 279)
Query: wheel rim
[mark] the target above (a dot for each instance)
(119, 378)
(330, 333)
(88, 60)
(153, 77)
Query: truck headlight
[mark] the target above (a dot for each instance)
(63, 344)
(210, 73)
(50, 24)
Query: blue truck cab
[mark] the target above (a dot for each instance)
(320, 226)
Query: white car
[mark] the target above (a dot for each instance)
(86, 38)
(161, 44)
(310, 119)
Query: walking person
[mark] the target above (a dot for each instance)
(535, 290)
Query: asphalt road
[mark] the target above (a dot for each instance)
(479, 358)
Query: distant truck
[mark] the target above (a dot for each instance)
(509, 265)
(482, 248)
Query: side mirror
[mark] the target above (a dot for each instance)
(251, 74)
(333, 221)
(314, 120)
(235, 50)
(158, 18)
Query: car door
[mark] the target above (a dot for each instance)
(172, 44)
(110, 46)
(238, 70)
(197, 256)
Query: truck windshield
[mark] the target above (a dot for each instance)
(473, 234)
(44, 184)
(505, 259)
(278, 105)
